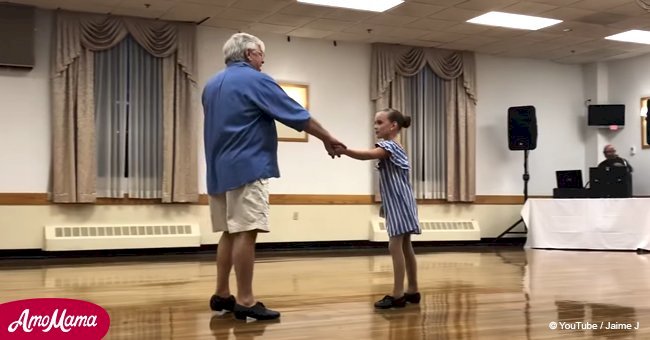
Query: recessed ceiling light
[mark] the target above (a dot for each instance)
(363, 5)
(510, 20)
(635, 36)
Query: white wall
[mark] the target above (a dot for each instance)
(628, 82)
(25, 119)
(339, 85)
(556, 91)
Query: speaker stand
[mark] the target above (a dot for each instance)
(526, 177)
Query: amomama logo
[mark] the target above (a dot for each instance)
(53, 319)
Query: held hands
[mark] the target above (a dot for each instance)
(340, 150)
(334, 147)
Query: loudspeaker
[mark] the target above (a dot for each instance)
(522, 128)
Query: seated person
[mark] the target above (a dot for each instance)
(613, 160)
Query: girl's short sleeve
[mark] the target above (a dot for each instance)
(397, 154)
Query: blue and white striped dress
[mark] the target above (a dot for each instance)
(398, 201)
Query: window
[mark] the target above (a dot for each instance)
(128, 121)
(424, 101)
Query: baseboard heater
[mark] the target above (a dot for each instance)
(131, 236)
(466, 230)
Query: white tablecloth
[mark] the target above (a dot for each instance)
(614, 224)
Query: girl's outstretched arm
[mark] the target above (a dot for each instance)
(364, 155)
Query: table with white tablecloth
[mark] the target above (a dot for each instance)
(599, 224)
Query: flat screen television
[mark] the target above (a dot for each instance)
(606, 115)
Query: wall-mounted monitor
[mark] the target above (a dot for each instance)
(606, 115)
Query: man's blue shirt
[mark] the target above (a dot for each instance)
(240, 106)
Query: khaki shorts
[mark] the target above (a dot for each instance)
(243, 209)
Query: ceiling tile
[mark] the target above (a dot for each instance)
(505, 45)
(486, 5)
(477, 41)
(632, 23)
(192, 12)
(456, 14)
(226, 23)
(407, 33)
(444, 3)
(603, 18)
(310, 33)
(590, 56)
(241, 14)
(153, 5)
(503, 33)
(349, 15)
(567, 13)
(422, 43)
(345, 36)
(629, 55)
(568, 40)
(306, 10)
(529, 8)
(573, 28)
(466, 28)
(430, 24)
(414, 9)
(599, 5)
(560, 3)
(442, 37)
(542, 36)
(329, 24)
(287, 20)
(391, 20)
(373, 30)
(631, 8)
(92, 6)
(218, 3)
(139, 12)
(457, 46)
(266, 5)
(269, 28)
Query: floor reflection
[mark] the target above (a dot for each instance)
(512, 294)
(223, 326)
(596, 319)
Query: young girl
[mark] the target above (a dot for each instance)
(398, 203)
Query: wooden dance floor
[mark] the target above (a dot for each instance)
(473, 293)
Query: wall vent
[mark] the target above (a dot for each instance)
(133, 236)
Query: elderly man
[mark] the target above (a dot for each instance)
(241, 105)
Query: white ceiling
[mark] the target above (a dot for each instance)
(439, 23)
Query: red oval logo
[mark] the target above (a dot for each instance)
(51, 318)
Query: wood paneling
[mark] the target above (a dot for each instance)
(23, 199)
(276, 199)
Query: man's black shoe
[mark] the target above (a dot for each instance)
(256, 312)
(412, 297)
(219, 304)
(390, 302)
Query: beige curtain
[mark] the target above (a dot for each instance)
(391, 63)
(76, 38)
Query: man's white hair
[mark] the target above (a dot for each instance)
(235, 48)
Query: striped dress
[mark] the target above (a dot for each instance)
(398, 201)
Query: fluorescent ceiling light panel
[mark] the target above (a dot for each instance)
(363, 5)
(509, 20)
(635, 36)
